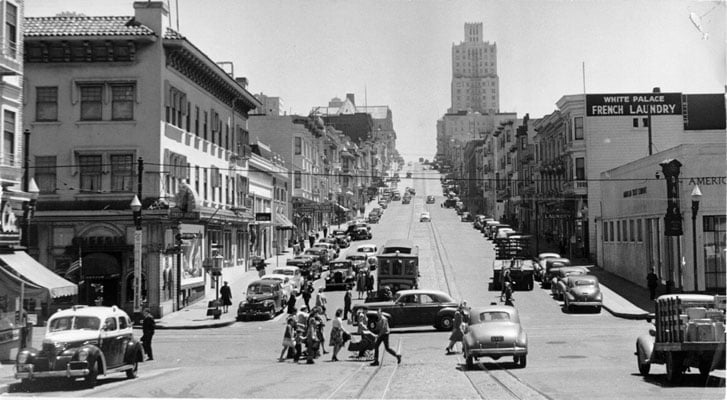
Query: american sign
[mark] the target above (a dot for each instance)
(609, 105)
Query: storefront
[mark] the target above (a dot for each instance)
(648, 218)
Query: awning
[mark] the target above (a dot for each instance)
(12, 285)
(38, 274)
(282, 222)
(100, 266)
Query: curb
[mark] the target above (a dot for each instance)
(220, 324)
(617, 314)
(4, 388)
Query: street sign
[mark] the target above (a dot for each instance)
(263, 217)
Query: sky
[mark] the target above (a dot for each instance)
(398, 53)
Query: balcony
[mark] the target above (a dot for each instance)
(578, 188)
(10, 60)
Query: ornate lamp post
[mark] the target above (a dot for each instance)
(136, 208)
(696, 196)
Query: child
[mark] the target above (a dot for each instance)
(288, 338)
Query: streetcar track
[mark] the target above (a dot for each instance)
(369, 381)
(345, 381)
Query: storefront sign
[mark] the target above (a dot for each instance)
(263, 217)
(708, 180)
(609, 105)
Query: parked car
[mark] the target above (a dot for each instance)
(494, 331)
(406, 200)
(310, 267)
(582, 291)
(293, 273)
(342, 238)
(540, 267)
(414, 307)
(430, 199)
(373, 218)
(558, 283)
(319, 254)
(285, 284)
(264, 297)
(550, 265)
(342, 275)
(495, 228)
(82, 342)
(331, 248)
(486, 227)
(467, 217)
(425, 217)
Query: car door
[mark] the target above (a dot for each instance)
(406, 310)
(110, 341)
(429, 306)
(126, 333)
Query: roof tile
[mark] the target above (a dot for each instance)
(84, 26)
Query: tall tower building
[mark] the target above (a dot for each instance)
(475, 84)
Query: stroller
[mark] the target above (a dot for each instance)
(363, 348)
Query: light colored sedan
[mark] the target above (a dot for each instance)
(294, 273)
(285, 283)
(494, 332)
(582, 291)
(558, 283)
(542, 257)
(425, 217)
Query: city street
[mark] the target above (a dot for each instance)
(571, 356)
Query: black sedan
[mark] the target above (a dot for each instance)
(415, 307)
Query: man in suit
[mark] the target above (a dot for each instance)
(382, 329)
(147, 327)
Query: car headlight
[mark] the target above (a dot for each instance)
(599, 297)
(82, 355)
(22, 357)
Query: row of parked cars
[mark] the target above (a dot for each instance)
(571, 284)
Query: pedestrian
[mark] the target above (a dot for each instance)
(361, 284)
(311, 238)
(296, 247)
(369, 283)
(506, 279)
(347, 303)
(320, 324)
(652, 281)
(336, 340)
(325, 229)
(301, 319)
(367, 337)
(147, 328)
(291, 303)
(307, 292)
(311, 339)
(260, 266)
(382, 330)
(321, 302)
(288, 338)
(226, 294)
(457, 332)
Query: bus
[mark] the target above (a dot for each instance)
(398, 265)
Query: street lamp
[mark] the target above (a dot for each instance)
(29, 208)
(136, 208)
(696, 196)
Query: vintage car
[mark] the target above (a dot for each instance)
(264, 297)
(415, 307)
(487, 226)
(293, 273)
(331, 248)
(582, 291)
(494, 331)
(285, 284)
(384, 204)
(310, 267)
(425, 217)
(480, 221)
(540, 267)
(406, 200)
(361, 234)
(550, 265)
(82, 342)
(342, 274)
(558, 283)
(369, 249)
(373, 218)
(341, 238)
(430, 199)
(319, 254)
(467, 217)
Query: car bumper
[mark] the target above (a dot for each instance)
(585, 303)
(73, 369)
(498, 351)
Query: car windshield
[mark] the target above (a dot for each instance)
(356, 257)
(259, 289)
(366, 250)
(584, 282)
(283, 271)
(490, 316)
(74, 322)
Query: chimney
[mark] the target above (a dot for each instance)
(350, 96)
(153, 14)
(657, 90)
(242, 81)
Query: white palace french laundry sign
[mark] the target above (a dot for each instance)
(606, 105)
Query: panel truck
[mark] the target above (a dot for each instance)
(513, 258)
(689, 332)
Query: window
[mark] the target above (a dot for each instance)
(45, 173)
(122, 102)
(635, 123)
(122, 173)
(297, 181)
(715, 229)
(578, 128)
(610, 231)
(8, 137)
(90, 170)
(639, 235)
(196, 179)
(298, 146)
(91, 102)
(618, 231)
(46, 103)
(11, 29)
(189, 117)
(632, 232)
(204, 183)
(605, 231)
(196, 120)
(110, 324)
(645, 122)
(580, 168)
(624, 233)
(204, 126)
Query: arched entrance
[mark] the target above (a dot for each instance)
(101, 273)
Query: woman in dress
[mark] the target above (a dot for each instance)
(288, 338)
(336, 339)
(457, 333)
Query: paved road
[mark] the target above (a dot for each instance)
(571, 356)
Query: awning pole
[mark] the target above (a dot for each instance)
(22, 300)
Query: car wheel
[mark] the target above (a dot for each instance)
(568, 307)
(131, 373)
(446, 322)
(271, 312)
(90, 379)
(523, 361)
(470, 361)
(644, 366)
